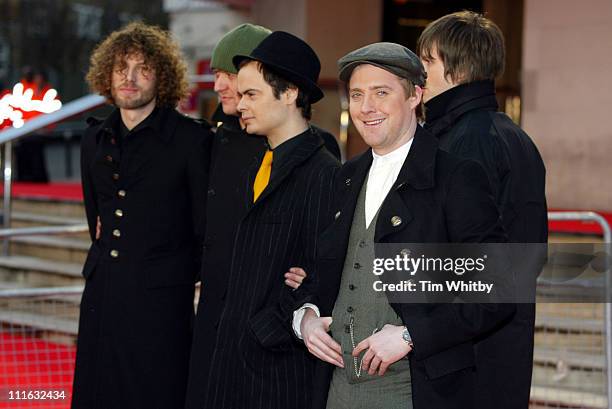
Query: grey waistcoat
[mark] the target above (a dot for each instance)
(361, 310)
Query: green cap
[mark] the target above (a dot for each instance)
(240, 41)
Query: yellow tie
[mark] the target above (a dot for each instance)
(263, 175)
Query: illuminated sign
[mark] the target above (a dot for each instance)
(13, 105)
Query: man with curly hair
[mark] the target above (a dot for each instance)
(144, 174)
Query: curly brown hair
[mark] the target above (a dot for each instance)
(160, 52)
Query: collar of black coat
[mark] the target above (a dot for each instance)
(305, 145)
(230, 122)
(418, 169)
(162, 121)
(444, 110)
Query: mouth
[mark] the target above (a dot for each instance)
(128, 90)
(373, 122)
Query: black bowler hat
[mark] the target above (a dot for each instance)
(291, 58)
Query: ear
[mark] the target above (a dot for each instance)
(290, 96)
(416, 99)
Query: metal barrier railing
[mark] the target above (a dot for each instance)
(43, 230)
(7, 136)
(38, 345)
(586, 322)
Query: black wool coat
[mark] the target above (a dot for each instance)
(439, 199)
(467, 124)
(244, 355)
(149, 190)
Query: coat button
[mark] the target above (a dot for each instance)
(117, 233)
(109, 158)
(211, 192)
(114, 253)
(405, 252)
(121, 193)
(357, 266)
(352, 287)
(115, 176)
(362, 244)
(347, 182)
(396, 221)
(338, 213)
(119, 213)
(349, 309)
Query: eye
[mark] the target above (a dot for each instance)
(145, 71)
(381, 93)
(355, 95)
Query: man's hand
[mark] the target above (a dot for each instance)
(294, 277)
(98, 228)
(383, 349)
(320, 344)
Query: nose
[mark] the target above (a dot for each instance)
(241, 107)
(132, 73)
(367, 104)
(220, 84)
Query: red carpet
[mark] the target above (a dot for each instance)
(30, 364)
(54, 191)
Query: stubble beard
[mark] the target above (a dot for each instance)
(126, 103)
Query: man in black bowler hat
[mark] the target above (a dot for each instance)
(255, 361)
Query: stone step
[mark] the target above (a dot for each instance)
(58, 248)
(40, 322)
(36, 219)
(49, 314)
(552, 397)
(577, 334)
(569, 370)
(51, 207)
(571, 310)
(36, 272)
(569, 324)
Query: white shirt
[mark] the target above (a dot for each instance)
(382, 176)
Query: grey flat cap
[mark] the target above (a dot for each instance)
(392, 57)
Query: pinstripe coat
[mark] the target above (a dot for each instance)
(255, 361)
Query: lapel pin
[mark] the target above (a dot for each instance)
(396, 221)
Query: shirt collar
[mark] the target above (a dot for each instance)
(398, 155)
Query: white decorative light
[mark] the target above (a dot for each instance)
(12, 105)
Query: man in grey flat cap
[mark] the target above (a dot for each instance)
(372, 352)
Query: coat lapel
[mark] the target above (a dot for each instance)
(417, 173)
(333, 241)
(298, 155)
